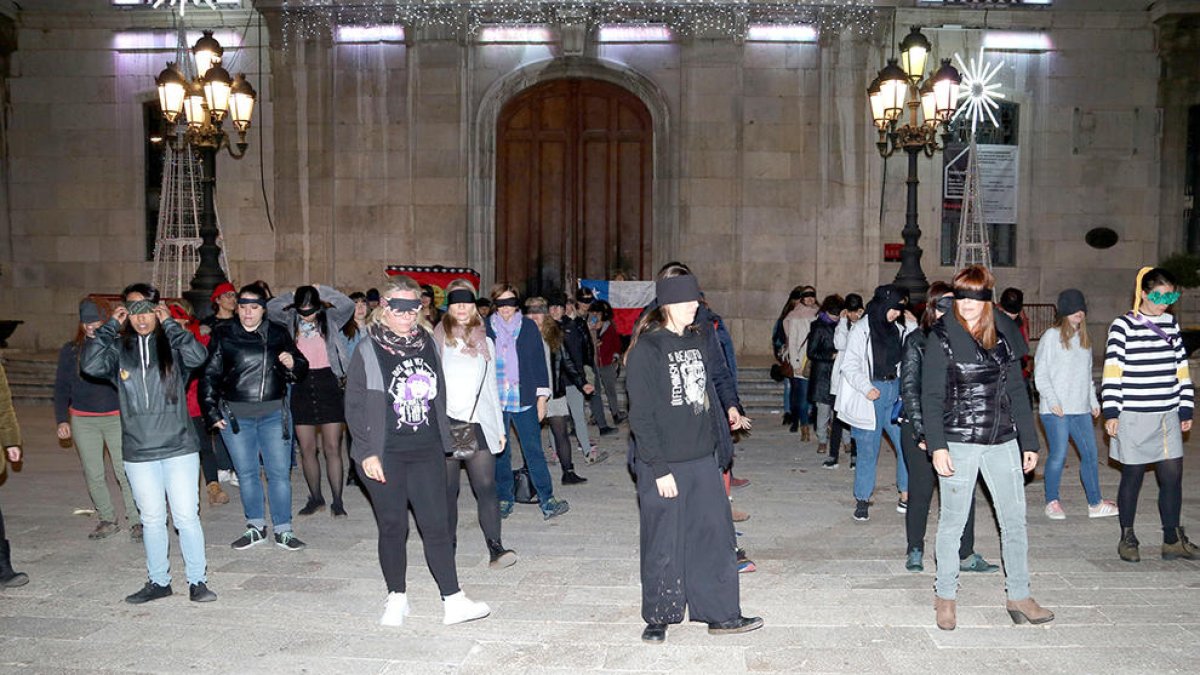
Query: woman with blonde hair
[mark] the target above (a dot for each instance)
(396, 412)
(978, 420)
(469, 367)
(1063, 376)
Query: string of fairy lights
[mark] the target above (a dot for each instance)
(308, 19)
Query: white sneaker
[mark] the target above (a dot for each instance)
(1104, 509)
(459, 609)
(233, 479)
(223, 475)
(1054, 511)
(396, 609)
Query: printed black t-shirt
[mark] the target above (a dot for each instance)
(412, 384)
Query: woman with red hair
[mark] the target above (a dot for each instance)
(977, 417)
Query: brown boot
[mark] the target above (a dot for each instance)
(1028, 610)
(805, 433)
(822, 448)
(216, 495)
(947, 613)
(1182, 548)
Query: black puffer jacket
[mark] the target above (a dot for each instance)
(973, 395)
(244, 366)
(910, 381)
(821, 354)
(155, 423)
(564, 372)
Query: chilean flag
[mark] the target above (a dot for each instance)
(628, 299)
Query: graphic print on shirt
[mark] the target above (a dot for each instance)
(413, 387)
(689, 380)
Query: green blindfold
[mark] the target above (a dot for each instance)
(140, 307)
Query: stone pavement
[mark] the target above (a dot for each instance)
(833, 592)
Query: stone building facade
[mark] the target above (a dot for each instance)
(764, 172)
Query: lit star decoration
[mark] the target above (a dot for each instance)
(977, 91)
(310, 19)
(182, 4)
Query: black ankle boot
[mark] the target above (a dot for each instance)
(8, 577)
(1128, 547)
(498, 556)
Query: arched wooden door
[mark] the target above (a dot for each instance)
(574, 183)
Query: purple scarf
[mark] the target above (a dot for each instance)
(506, 348)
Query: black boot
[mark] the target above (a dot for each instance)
(498, 556)
(9, 578)
(1128, 546)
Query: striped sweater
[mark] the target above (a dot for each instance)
(1143, 372)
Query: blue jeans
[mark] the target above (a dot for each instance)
(529, 433)
(868, 441)
(262, 437)
(1078, 428)
(175, 480)
(1001, 469)
(799, 405)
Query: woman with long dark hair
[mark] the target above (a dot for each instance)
(821, 354)
(396, 412)
(524, 389)
(315, 315)
(796, 326)
(1068, 405)
(88, 413)
(921, 476)
(251, 362)
(564, 373)
(1148, 399)
(978, 420)
(688, 544)
(149, 361)
(870, 372)
(469, 369)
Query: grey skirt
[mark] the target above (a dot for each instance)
(1146, 438)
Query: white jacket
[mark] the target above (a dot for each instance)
(463, 375)
(855, 373)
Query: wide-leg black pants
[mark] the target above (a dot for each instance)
(688, 546)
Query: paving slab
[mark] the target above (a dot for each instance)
(834, 592)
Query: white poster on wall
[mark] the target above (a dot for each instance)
(997, 179)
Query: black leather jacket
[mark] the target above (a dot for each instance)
(578, 341)
(244, 366)
(564, 371)
(978, 407)
(910, 381)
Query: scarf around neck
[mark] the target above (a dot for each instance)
(506, 347)
(399, 345)
(474, 343)
(886, 348)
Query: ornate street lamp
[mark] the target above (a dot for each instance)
(930, 104)
(205, 103)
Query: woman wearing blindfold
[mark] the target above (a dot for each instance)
(315, 315)
(978, 420)
(396, 411)
(524, 384)
(921, 476)
(688, 545)
(1147, 400)
(251, 362)
(150, 360)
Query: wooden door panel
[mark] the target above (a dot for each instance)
(573, 184)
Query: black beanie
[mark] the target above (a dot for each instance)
(1071, 301)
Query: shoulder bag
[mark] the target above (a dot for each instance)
(464, 443)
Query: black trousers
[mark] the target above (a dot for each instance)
(213, 455)
(421, 485)
(481, 473)
(688, 546)
(921, 481)
(2, 535)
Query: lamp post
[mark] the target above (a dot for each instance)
(931, 105)
(204, 103)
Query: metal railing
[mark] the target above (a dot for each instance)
(1038, 317)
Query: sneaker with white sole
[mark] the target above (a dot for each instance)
(252, 537)
(395, 610)
(1054, 511)
(288, 541)
(233, 479)
(460, 609)
(224, 475)
(1104, 509)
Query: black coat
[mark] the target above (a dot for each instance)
(578, 341)
(243, 366)
(910, 380)
(821, 354)
(565, 372)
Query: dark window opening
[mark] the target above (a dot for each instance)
(154, 128)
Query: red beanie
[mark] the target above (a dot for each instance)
(221, 289)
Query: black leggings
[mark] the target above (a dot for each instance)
(331, 447)
(1169, 473)
(481, 472)
(213, 455)
(560, 427)
(921, 481)
(421, 484)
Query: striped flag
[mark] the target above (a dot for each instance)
(627, 298)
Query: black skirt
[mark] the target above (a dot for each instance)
(317, 399)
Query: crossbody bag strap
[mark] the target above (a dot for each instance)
(482, 379)
(1170, 340)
